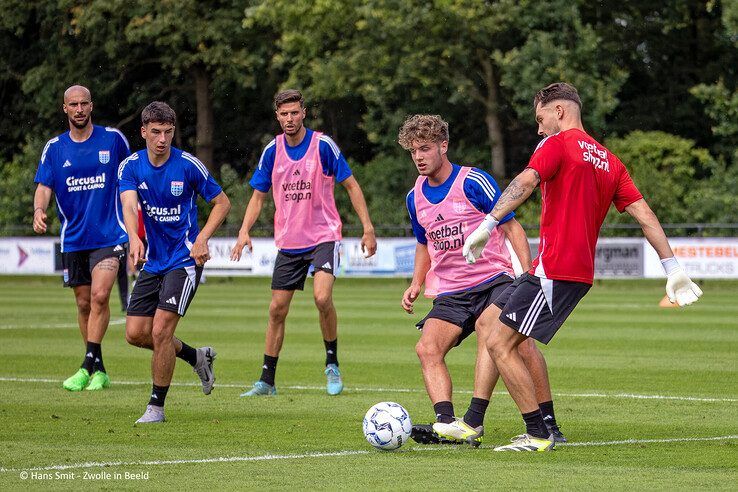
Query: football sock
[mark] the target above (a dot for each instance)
(475, 414)
(444, 412)
(92, 353)
(188, 354)
(547, 410)
(331, 352)
(98, 365)
(158, 395)
(534, 424)
(269, 369)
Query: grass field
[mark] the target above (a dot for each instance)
(648, 397)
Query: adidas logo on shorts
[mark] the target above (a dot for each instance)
(143, 186)
(172, 300)
(326, 265)
(512, 317)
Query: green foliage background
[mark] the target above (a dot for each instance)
(658, 81)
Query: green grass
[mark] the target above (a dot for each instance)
(617, 342)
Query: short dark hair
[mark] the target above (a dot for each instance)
(558, 90)
(158, 112)
(288, 96)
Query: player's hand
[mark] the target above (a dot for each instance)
(136, 251)
(39, 221)
(200, 251)
(409, 297)
(681, 289)
(368, 244)
(474, 245)
(477, 240)
(243, 240)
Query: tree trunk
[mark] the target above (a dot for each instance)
(492, 118)
(205, 118)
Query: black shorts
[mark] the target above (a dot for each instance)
(290, 270)
(464, 308)
(172, 291)
(538, 307)
(78, 265)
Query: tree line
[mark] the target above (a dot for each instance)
(657, 80)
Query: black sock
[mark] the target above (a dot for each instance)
(93, 352)
(158, 395)
(269, 369)
(475, 414)
(534, 424)
(444, 412)
(547, 410)
(331, 352)
(188, 354)
(98, 365)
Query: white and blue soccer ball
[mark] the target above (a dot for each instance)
(387, 425)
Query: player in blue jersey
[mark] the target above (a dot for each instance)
(463, 299)
(166, 182)
(80, 168)
(301, 166)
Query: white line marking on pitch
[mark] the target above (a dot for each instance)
(271, 457)
(396, 390)
(30, 324)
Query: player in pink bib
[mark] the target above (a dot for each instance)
(447, 203)
(301, 167)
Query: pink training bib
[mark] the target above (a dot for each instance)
(447, 224)
(306, 213)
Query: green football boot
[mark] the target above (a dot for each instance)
(98, 381)
(78, 381)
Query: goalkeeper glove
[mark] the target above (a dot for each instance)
(679, 288)
(477, 240)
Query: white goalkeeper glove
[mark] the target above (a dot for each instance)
(477, 240)
(679, 288)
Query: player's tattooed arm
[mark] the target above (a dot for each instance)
(516, 192)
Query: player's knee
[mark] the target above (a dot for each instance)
(99, 297)
(426, 351)
(324, 302)
(135, 338)
(160, 335)
(494, 346)
(527, 349)
(278, 311)
(83, 307)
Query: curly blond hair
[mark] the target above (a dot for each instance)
(424, 128)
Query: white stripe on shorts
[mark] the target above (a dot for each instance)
(532, 315)
(336, 257)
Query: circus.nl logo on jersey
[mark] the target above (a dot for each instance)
(177, 187)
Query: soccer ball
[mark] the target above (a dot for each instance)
(387, 425)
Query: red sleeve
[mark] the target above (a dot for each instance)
(141, 230)
(626, 192)
(547, 157)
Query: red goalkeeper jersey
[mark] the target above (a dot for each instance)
(580, 178)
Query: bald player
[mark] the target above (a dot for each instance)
(80, 168)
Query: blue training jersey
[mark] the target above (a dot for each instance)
(84, 179)
(167, 194)
(479, 187)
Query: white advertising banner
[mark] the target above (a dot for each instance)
(24, 255)
(702, 257)
(394, 257)
(615, 257)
